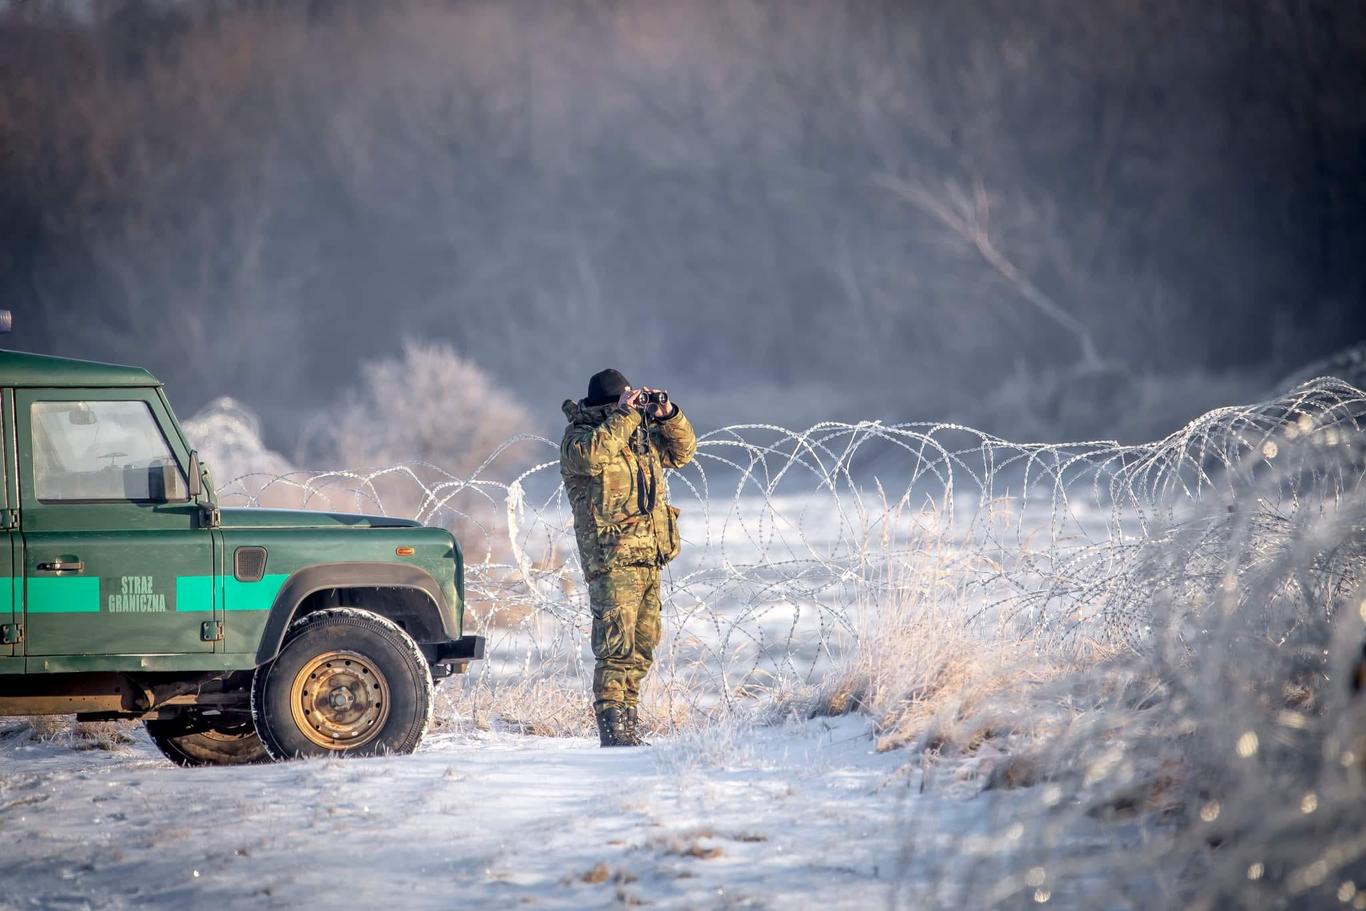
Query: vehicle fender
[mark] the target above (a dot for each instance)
(326, 576)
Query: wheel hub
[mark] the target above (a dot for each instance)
(340, 700)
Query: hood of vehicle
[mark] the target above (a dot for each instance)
(239, 517)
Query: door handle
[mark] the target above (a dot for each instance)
(61, 566)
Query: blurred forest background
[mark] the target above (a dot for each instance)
(1046, 219)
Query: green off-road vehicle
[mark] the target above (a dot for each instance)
(234, 634)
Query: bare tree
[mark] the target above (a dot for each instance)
(967, 214)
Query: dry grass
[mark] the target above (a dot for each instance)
(695, 846)
(554, 706)
(941, 677)
(935, 681)
(544, 706)
(65, 730)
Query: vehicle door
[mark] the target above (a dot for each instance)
(11, 583)
(117, 559)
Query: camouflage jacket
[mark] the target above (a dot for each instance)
(613, 470)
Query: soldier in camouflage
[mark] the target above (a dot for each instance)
(612, 458)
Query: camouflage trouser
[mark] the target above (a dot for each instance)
(625, 606)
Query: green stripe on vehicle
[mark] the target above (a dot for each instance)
(242, 596)
(194, 593)
(64, 595)
(81, 594)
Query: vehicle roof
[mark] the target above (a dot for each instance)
(20, 368)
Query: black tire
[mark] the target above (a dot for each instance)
(346, 682)
(195, 741)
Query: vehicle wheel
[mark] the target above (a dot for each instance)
(346, 682)
(192, 740)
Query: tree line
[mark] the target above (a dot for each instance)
(1057, 218)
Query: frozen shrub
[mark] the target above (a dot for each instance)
(245, 470)
(428, 405)
(426, 434)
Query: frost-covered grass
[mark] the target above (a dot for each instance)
(938, 681)
(65, 732)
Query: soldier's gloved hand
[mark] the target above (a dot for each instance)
(658, 411)
(630, 398)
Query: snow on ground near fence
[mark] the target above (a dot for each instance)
(791, 537)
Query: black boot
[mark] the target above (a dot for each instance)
(612, 729)
(632, 727)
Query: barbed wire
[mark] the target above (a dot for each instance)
(785, 533)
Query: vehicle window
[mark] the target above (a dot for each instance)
(102, 451)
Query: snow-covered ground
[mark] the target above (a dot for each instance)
(798, 817)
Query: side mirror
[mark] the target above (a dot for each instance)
(196, 476)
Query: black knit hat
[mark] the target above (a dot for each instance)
(605, 388)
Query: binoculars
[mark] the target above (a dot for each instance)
(654, 397)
